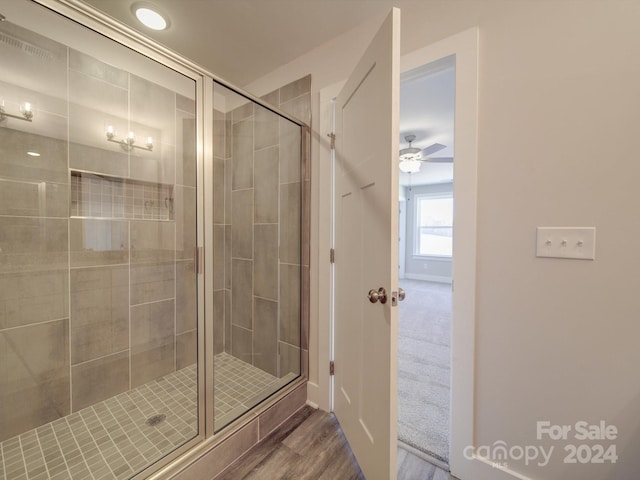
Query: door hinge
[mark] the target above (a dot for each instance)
(331, 368)
(198, 260)
(332, 255)
(332, 136)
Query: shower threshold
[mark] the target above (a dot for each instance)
(114, 439)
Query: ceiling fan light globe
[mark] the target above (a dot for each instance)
(410, 166)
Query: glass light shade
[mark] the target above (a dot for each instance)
(410, 166)
(151, 18)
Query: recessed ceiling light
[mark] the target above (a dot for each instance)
(33, 154)
(150, 17)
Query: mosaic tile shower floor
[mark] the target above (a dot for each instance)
(111, 440)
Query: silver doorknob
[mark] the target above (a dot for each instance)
(401, 294)
(379, 295)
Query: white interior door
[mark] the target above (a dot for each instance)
(366, 253)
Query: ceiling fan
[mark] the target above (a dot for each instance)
(412, 157)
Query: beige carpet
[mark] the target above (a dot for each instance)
(424, 370)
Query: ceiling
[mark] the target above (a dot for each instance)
(242, 40)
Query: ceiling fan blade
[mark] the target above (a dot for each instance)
(431, 149)
(438, 160)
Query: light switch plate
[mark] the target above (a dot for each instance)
(566, 242)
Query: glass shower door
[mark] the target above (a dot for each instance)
(98, 290)
(257, 244)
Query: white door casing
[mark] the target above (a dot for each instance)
(366, 253)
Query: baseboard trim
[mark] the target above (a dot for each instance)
(427, 278)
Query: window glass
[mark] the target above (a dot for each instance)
(434, 226)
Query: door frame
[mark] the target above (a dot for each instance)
(464, 46)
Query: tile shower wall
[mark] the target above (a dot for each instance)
(258, 183)
(97, 290)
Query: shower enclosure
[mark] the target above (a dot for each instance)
(152, 274)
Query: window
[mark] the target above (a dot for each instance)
(434, 225)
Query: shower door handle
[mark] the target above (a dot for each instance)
(379, 295)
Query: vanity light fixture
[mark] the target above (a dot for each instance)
(150, 17)
(26, 111)
(128, 143)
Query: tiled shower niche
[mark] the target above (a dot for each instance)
(100, 196)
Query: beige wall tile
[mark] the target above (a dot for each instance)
(34, 366)
(152, 107)
(242, 293)
(186, 296)
(228, 187)
(242, 112)
(33, 244)
(151, 282)
(152, 241)
(289, 359)
(185, 149)
(98, 159)
(227, 256)
(265, 338)
(218, 134)
(33, 297)
(265, 270)
(79, 62)
(290, 304)
(266, 192)
(186, 349)
(218, 321)
(295, 89)
(15, 165)
(218, 190)
(228, 135)
(242, 226)
(242, 165)
(290, 210)
(187, 105)
(27, 199)
(227, 321)
(157, 165)
(99, 312)
(265, 129)
(290, 148)
(186, 220)
(152, 341)
(299, 108)
(98, 242)
(272, 97)
(218, 257)
(99, 379)
(241, 344)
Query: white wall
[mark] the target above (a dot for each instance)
(558, 145)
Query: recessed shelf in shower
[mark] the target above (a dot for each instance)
(101, 196)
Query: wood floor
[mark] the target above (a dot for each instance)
(311, 446)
